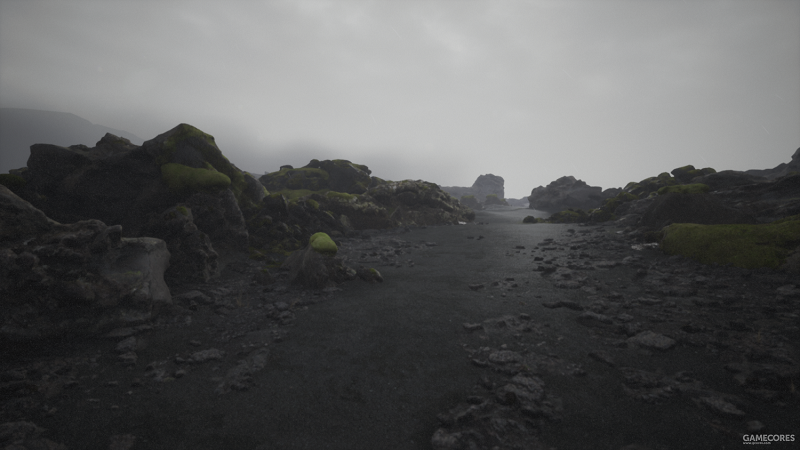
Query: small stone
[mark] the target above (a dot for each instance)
(652, 340)
(179, 373)
(591, 318)
(128, 359)
(195, 343)
(721, 406)
(602, 357)
(754, 426)
(504, 357)
(470, 327)
(206, 355)
(476, 287)
(126, 345)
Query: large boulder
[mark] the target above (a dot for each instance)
(568, 193)
(79, 278)
(691, 208)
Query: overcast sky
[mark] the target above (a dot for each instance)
(609, 91)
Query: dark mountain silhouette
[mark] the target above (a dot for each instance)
(21, 128)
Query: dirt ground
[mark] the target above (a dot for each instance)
(634, 349)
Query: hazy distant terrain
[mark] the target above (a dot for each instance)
(21, 128)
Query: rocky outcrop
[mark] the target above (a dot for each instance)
(193, 258)
(476, 195)
(780, 170)
(690, 208)
(337, 175)
(121, 183)
(406, 203)
(78, 278)
(117, 182)
(568, 192)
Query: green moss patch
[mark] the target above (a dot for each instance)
(343, 196)
(746, 246)
(182, 178)
(12, 182)
(531, 219)
(322, 243)
(697, 188)
(569, 216)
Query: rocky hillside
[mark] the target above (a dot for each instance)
(95, 236)
(727, 217)
(21, 128)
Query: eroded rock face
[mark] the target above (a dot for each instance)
(193, 258)
(217, 214)
(780, 170)
(78, 278)
(691, 208)
(568, 192)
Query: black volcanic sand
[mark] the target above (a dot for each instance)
(370, 366)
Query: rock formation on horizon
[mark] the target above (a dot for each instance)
(568, 193)
(478, 195)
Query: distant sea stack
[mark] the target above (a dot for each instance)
(568, 192)
(486, 190)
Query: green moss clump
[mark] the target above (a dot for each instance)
(212, 156)
(341, 196)
(697, 188)
(746, 246)
(182, 210)
(182, 178)
(322, 243)
(611, 204)
(313, 203)
(569, 216)
(531, 219)
(12, 182)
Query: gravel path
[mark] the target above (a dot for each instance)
(494, 334)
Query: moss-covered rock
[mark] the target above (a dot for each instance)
(12, 182)
(319, 176)
(740, 245)
(650, 185)
(191, 147)
(186, 179)
(470, 201)
(531, 219)
(322, 243)
(685, 174)
(569, 216)
(696, 188)
(493, 199)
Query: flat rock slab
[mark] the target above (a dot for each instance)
(652, 340)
